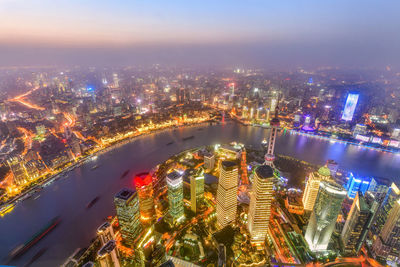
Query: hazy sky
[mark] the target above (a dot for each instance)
(344, 32)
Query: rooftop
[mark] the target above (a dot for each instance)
(125, 194)
(226, 164)
(174, 175)
(264, 171)
(107, 248)
(324, 171)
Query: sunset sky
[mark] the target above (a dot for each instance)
(71, 27)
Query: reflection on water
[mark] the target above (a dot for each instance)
(68, 197)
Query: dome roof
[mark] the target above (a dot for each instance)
(324, 171)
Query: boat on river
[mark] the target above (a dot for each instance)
(21, 249)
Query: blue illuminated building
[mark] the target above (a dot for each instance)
(355, 184)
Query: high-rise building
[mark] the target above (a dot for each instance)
(387, 245)
(18, 170)
(243, 168)
(107, 255)
(158, 256)
(175, 195)
(356, 225)
(260, 203)
(274, 123)
(355, 185)
(127, 206)
(196, 191)
(144, 189)
(227, 193)
(350, 106)
(389, 199)
(323, 218)
(209, 161)
(312, 187)
(105, 233)
(115, 80)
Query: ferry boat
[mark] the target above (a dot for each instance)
(20, 250)
(170, 143)
(6, 209)
(124, 174)
(94, 167)
(188, 138)
(91, 203)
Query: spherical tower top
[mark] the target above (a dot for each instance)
(324, 171)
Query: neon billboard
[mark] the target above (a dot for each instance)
(350, 106)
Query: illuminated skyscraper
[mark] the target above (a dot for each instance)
(144, 188)
(196, 191)
(269, 156)
(312, 187)
(127, 206)
(115, 80)
(356, 225)
(260, 203)
(387, 245)
(391, 196)
(350, 106)
(243, 168)
(355, 185)
(105, 233)
(175, 195)
(227, 193)
(107, 255)
(323, 218)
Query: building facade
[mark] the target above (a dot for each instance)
(127, 206)
(260, 203)
(312, 187)
(323, 218)
(227, 193)
(356, 225)
(387, 246)
(175, 195)
(144, 188)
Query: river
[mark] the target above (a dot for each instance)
(69, 196)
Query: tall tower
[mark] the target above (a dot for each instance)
(227, 193)
(323, 218)
(196, 191)
(144, 188)
(243, 168)
(391, 196)
(107, 255)
(312, 187)
(175, 195)
(105, 232)
(356, 226)
(127, 206)
(274, 123)
(260, 203)
(387, 245)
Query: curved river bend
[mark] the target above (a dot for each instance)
(68, 197)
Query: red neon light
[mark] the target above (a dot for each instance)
(142, 180)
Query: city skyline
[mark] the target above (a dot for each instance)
(199, 133)
(255, 33)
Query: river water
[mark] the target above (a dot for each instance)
(69, 196)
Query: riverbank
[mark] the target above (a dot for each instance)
(47, 179)
(343, 141)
